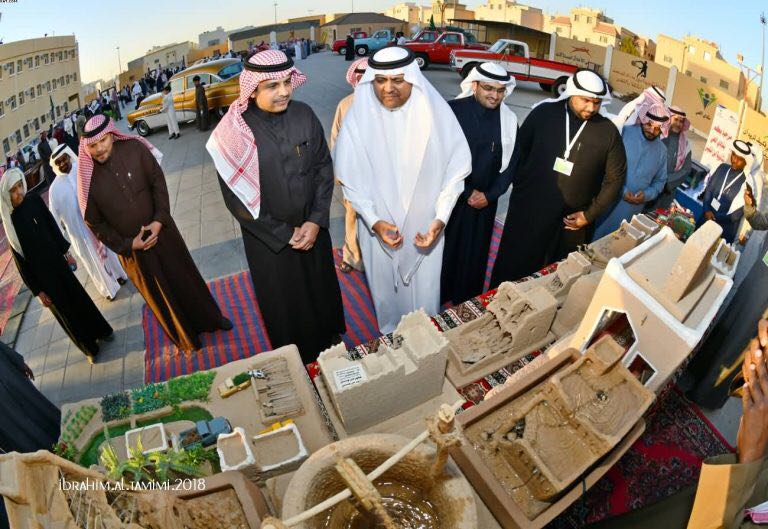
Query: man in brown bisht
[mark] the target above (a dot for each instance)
(124, 200)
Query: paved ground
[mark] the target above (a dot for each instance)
(62, 372)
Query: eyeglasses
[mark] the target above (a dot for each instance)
(489, 88)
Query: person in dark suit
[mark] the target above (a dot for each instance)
(202, 115)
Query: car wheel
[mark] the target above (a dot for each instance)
(362, 51)
(466, 69)
(142, 128)
(546, 87)
(220, 111)
(422, 60)
(559, 87)
(342, 51)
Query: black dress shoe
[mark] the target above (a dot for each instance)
(225, 324)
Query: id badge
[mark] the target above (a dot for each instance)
(715, 204)
(563, 166)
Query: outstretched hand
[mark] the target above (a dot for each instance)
(427, 240)
(752, 440)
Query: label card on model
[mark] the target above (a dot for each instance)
(349, 376)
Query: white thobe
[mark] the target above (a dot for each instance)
(66, 213)
(431, 196)
(68, 126)
(170, 114)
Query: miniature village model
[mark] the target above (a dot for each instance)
(366, 443)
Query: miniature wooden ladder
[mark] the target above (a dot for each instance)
(443, 426)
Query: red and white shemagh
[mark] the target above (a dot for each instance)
(683, 147)
(85, 162)
(232, 145)
(359, 64)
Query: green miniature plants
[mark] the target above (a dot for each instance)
(115, 406)
(150, 397)
(196, 386)
(240, 378)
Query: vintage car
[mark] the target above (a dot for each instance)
(221, 78)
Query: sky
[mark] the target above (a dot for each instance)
(137, 25)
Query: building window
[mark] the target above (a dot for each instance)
(6, 146)
(37, 124)
(32, 93)
(45, 58)
(37, 61)
(18, 66)
(691, 49)
(12, 101)
(65, 106)
(26, 131)
(39, 90)
(55, 81)
(10, 67)
(589, 20)
(68, 79)
(42, 119)
(603, 39)
(53, 57)
(61, 55)
(2, 109)
(74, 76)
(21, 98)
(703, 79)
(18, 136)
(58, 111)
(47, 86)
(707, 56)
(575, 18)
(724, 84)
(61, 81)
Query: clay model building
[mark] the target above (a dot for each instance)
(392, 380)
(518, 322)
(629, 235)
(44, 491)
(669, 292)
(275, 390)
(576, 303)
(540, 443)
(559, 282)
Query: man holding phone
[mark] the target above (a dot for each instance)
(124, 199)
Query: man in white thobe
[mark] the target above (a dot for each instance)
(170, 114)
(401, 158)
(100, 262)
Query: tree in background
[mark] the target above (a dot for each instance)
(628, 45)
(432, 22)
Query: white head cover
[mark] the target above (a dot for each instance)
(9, 179)
(435, 156)
(744, 150)
(60, 151)
(585, 83)
(491, 72)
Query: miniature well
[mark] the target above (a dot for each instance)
(410, 497)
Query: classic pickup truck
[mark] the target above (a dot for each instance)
(340, 46)
(435, 47)
(374, 43)
(515, 57)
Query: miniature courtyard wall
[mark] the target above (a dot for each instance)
(35, 496)
(391, 381)
(670, 293)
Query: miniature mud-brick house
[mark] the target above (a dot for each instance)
(669, 293)
(572, 420)
(629, 235)
(518, 322)
(391, 381)
(559, 282)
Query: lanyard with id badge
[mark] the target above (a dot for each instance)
(716, 201)
(562, 165)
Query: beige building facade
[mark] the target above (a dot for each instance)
(414, 13)
(34, 75)
(171, 55)
(340, 27)
(511, 12)
(701, 60)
